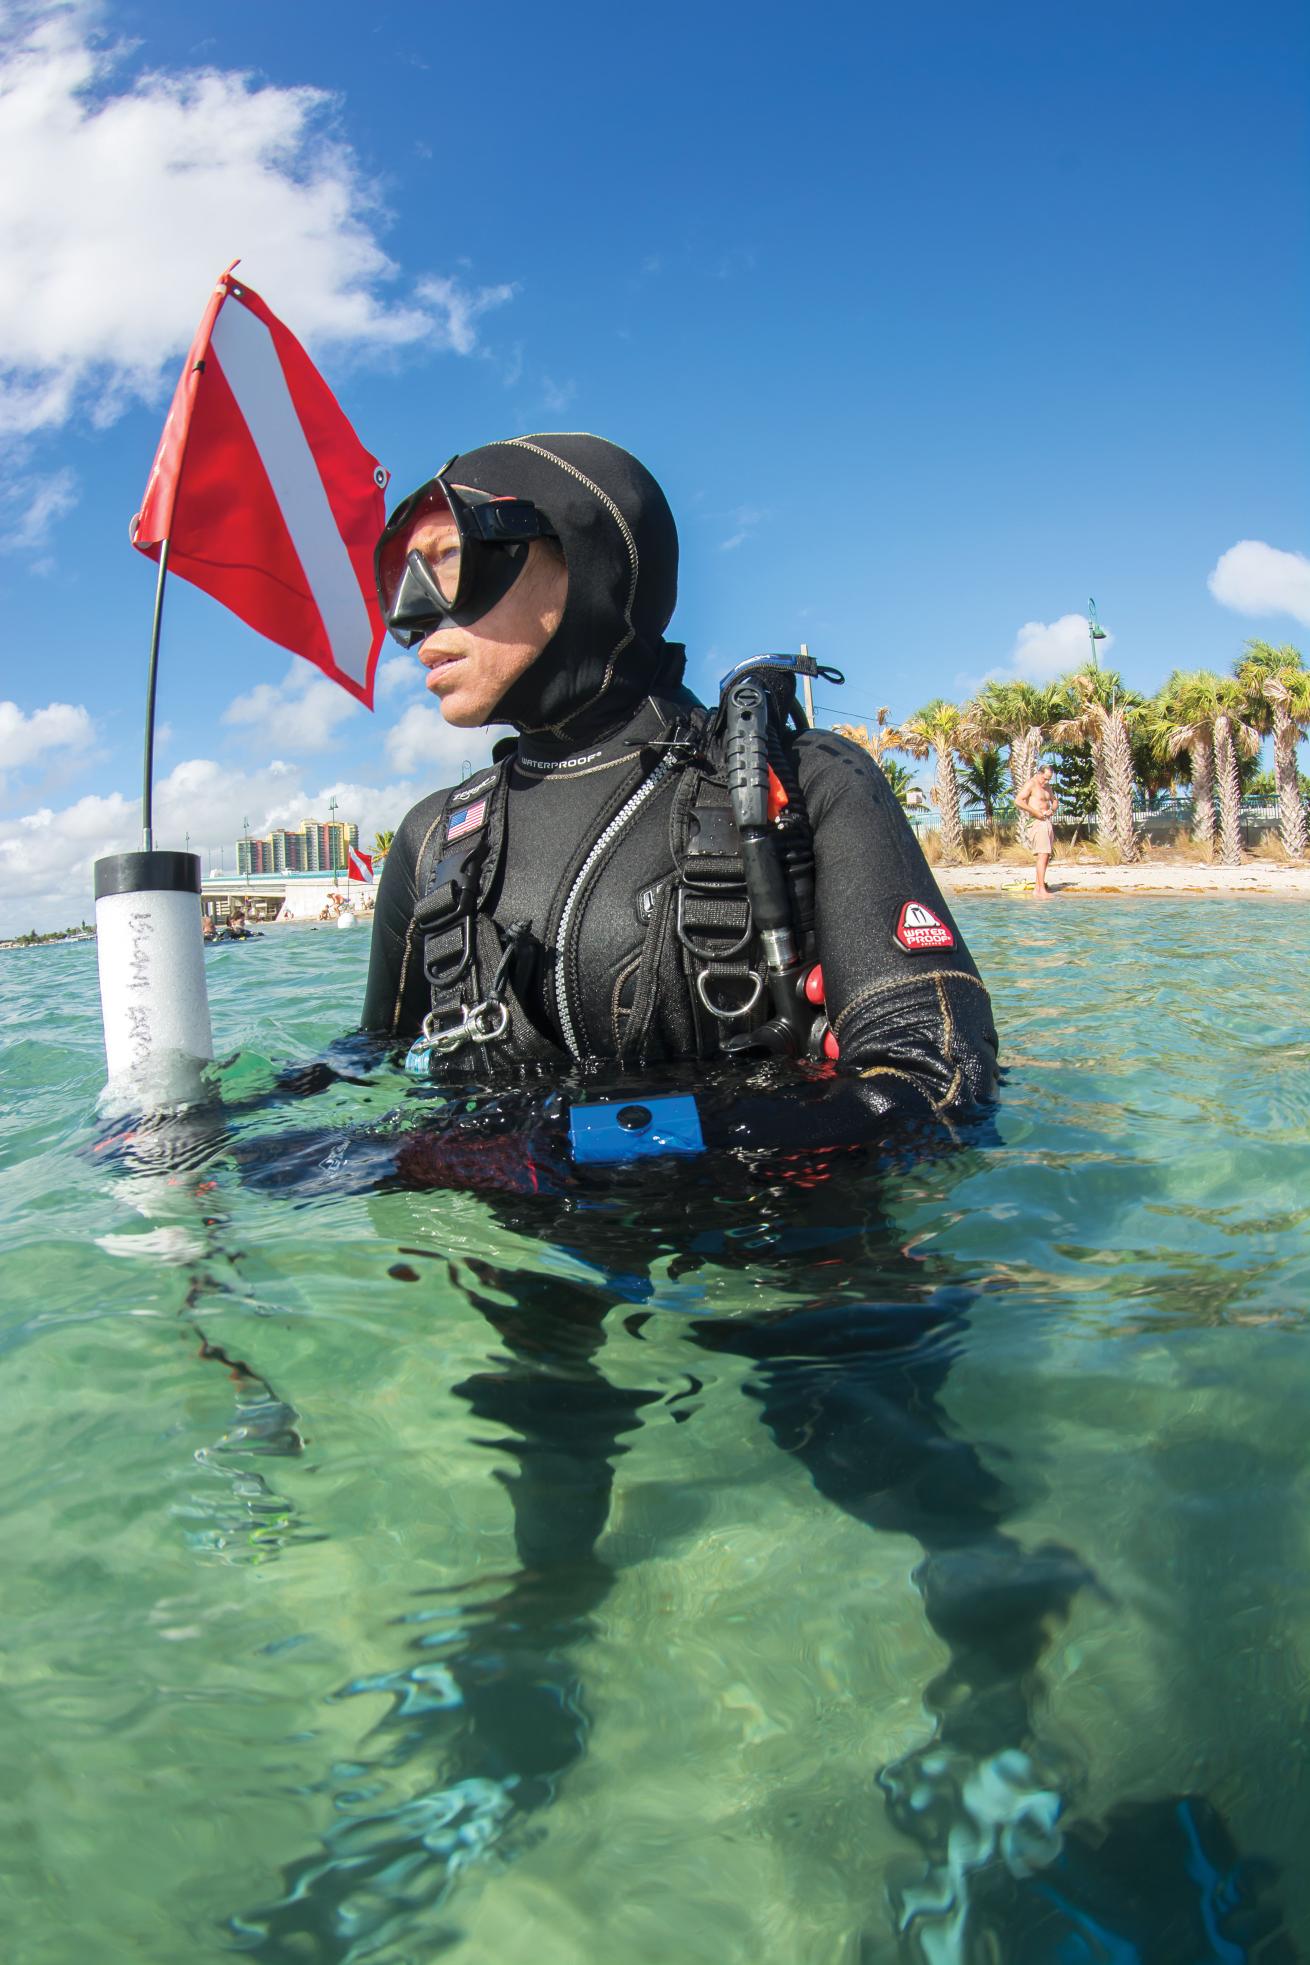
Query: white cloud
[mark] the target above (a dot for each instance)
(30, 505)
(46, 857)
(28, 739)
(394, 673)
(556, 396)
(120, 201)
(423, 744)
(744, 521)
(300, 714)
(459, 309)
(1253, 578)
(1042, 650)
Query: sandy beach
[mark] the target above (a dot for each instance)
(1074, 877)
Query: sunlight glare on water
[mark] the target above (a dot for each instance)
(721, 1572)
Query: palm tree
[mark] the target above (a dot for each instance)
(382, 843)
(983, 781)
(1276, 685)
(1232, 735)
(1155, 766)
(939, 727)
(1018, 715)
(881, 739)
(1184, 712)
(1102, 708)
(898, 779)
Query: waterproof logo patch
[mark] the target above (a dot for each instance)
(466, 821)
(918, 929)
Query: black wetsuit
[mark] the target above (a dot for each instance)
(914, 1026)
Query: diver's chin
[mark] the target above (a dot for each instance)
(463, 716)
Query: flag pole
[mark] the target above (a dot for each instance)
(164, 482)
(152, 679)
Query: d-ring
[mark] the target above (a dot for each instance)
(741, 1009)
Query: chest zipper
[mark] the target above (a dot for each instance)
(621, 818)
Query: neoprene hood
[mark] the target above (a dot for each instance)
(621, 547)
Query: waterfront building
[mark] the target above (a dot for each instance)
(315, 846)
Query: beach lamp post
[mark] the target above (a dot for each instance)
(332, 835)
(1094, 630)
(807, 688)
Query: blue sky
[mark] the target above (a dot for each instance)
(932, 321)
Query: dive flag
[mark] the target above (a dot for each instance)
(359, 866)
(265, 495)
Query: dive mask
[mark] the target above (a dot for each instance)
(472, 547)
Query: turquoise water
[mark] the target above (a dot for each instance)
(908, 1563)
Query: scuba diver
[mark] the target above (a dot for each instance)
(236, 929)
(648, 929)
(636, 880)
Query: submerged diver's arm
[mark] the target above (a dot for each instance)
(914, 1026)
(397, 999)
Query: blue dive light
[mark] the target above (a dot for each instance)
(634, 1129)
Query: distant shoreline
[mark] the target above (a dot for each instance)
(1070, 877)
(1073, 877)
(45, 941)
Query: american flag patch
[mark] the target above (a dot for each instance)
(466, 821)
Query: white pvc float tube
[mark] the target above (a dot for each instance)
(152, 977)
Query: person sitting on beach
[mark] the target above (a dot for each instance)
(1038, 800)
(591, 879)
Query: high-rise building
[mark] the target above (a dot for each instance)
(315, 846)
(311, 857)
(334, 839)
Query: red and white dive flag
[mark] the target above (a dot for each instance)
(267, 497)
(359, 866)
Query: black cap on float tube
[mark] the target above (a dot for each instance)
(147, 873)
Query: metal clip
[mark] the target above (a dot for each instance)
(483, 1023)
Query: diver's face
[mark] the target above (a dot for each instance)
(470, 668)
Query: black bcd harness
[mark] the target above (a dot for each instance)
(728, 933)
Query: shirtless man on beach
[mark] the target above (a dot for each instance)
(1038, 801)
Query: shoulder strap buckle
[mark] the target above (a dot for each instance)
(451, 903)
